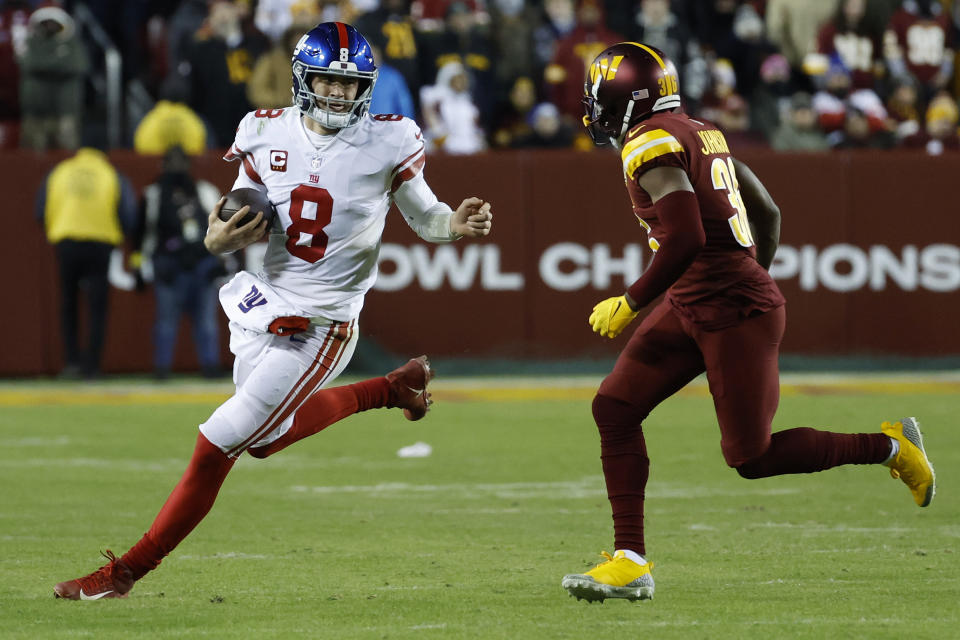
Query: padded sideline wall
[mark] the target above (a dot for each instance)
(869, 260)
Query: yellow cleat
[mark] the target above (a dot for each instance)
(911, 464)
(617, 577)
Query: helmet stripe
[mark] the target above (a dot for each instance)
(651, 52)
(344, 40)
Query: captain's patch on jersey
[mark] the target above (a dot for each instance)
(278, 160)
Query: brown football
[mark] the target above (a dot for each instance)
(239, 198)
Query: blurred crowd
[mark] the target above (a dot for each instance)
(479, 74)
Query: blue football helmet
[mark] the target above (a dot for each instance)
(333, 48)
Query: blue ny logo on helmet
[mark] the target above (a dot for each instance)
(333, 49)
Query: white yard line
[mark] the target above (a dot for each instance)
(590, 487)
(191, 387)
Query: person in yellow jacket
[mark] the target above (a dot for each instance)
(86, 208)
(170, 124)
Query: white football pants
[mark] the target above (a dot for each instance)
(270, 389)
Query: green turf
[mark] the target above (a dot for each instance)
(337, 537)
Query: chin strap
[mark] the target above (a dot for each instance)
(626, 122)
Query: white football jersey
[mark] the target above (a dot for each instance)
(332, 200)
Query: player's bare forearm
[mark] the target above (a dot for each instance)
(767, 240)
(762, 212)
(226, 237)
(472, 219)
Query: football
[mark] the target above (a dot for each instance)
(239, 198)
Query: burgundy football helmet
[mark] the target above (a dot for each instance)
(625, 84)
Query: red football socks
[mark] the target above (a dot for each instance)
(197, 490)
(327, 406)
(190, 501)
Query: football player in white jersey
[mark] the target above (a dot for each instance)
(332, 171)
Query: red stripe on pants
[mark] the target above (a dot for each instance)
(299, 392)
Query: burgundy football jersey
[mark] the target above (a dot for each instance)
(922, 43)
(725, 283)
(860, 53)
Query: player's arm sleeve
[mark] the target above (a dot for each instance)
(657, 160)
(681, 234)
(426, 215)
(762, 212)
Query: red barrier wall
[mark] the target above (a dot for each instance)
(869, 261)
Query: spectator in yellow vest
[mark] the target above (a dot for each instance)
(86, 207)
(171, 123)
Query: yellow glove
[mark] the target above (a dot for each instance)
(611, 316)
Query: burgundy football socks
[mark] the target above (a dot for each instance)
(623, 454)
(805, 450)
(626, 467)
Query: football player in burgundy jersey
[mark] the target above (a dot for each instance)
(918, 43)
(713, 229)
(332, 171)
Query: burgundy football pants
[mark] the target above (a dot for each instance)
(665, 353)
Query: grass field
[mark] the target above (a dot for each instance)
(338, 537)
